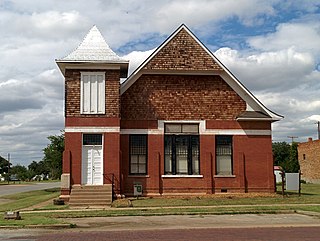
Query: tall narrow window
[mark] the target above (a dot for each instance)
(224, 155)
(92, 93)
(138, 154)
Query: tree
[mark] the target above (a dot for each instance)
(286, 156)
(3, 165)
(39, 168)
(53, 155)
(21, 172)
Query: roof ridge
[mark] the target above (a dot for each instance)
(227, 75)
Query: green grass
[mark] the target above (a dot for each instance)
(213, 204)
(32, 219)
(27, 199)
(29, 182)
(310, 194)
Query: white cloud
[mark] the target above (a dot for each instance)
(302, 36)
(136, 58)
(278, 70)
(213, 11)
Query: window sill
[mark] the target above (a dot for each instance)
(179, 176)
(224, 176)
(139, 176)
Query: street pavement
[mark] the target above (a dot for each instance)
(224, 234)
(17, 188)
(179, 227)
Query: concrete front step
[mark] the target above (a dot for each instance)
(91, 196)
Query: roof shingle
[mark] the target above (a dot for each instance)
(93, 48)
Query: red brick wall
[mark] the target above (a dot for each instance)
(73, 144)
(252, 168)
(111, 156)
(73, 91)
(258, 159)
(176, 97)
(182, 53)
(310, 161)
(152, 182)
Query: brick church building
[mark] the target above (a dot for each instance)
(180, 124)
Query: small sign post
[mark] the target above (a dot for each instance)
(293, 182)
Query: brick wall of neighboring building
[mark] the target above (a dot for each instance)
(309, 160)
(73, 91)
(182, 53)
(180, 97)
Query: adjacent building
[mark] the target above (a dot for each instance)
(180, 124)
(309, 160)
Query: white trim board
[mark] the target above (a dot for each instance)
(92, 129)
(239, 132)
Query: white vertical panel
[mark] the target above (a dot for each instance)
(93, 94)
(86, 165)
(97, 165)
(101, 94)
(85, 94)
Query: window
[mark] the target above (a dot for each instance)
(181, 144)
(138, 154)
(224, 155)
(92, 93)
(92, 139)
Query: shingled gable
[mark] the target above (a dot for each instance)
(177, 55)
(93, 51)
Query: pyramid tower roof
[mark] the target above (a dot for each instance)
(93, 49)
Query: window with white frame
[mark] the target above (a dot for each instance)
(224, 155)
(92, 93)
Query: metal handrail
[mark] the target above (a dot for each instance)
(111, 178)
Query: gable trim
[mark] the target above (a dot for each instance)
(226, 75)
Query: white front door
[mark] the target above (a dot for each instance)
(92, 165)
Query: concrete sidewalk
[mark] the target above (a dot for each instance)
(194, 221)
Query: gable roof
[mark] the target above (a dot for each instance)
(217, 68)
(92, 49)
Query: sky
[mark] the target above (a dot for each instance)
(273, 47)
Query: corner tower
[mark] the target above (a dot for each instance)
(92, 75)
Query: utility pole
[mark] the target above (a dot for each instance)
(291, 151)
(292, 137)
(8, 168)
(318, 123)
